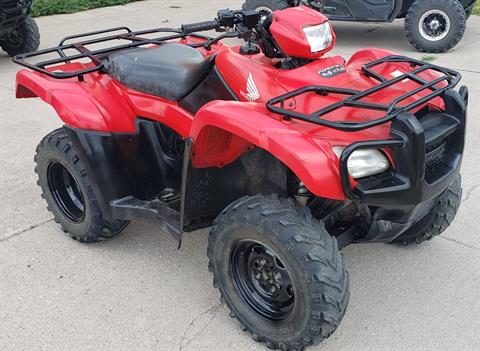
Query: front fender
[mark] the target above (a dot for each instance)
(94, 104)
(363, 56)
(222, 130)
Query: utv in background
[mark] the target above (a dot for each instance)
(431, 25)
(18, 31)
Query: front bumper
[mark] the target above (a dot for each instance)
(428, 154)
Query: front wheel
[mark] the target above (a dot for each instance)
(435, 26)
(438, 219)
(25, 38)
(279, 271)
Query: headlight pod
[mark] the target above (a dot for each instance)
(364, 163)
(319, 37)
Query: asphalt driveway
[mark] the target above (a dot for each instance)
(137, 292)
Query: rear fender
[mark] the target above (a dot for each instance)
(94, 104)
(223, 130)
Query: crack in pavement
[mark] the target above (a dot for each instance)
(213, 311)
(469, 193)
(465, 70)
(458, 242)
(21, 231)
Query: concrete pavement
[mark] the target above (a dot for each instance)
(137, 292)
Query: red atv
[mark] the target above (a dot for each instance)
(288, 153)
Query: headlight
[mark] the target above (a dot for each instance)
(319, 37)
(364, 163)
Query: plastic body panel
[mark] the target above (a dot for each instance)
(224, 130)
(287, 29)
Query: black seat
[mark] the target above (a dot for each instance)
(170, 71)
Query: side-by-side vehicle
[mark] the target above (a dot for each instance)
(430, 25)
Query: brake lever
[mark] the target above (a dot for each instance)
(208, 45)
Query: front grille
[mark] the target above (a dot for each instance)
(435, 157)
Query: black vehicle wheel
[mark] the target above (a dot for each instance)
(437, 220)
(435, 25)
(25, 38)
(265, 6)
(68, 191)
(279, 271)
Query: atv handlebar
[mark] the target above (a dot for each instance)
(227, 20)
(200, 26)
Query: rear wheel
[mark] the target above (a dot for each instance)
(435, 25)
(68, 191)
(25, 38)
(279, 271)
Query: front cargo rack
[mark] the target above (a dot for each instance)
(450, 77)
(70, 52)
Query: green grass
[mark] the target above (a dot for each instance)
(428, 58)
(476, 9)
(52, 7)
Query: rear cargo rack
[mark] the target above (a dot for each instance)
(450, 77)
(70, 52)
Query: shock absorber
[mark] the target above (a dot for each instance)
(301, 193)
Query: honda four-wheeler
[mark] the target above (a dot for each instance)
(288, 153)
(18, 31)
(431, 25)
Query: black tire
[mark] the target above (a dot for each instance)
(25, 38)
(319, 279)
(273, 5)
(79, 215)
(438, 219)
(437, 40)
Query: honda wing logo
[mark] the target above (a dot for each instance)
(252, 93)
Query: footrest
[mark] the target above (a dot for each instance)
(158, 210)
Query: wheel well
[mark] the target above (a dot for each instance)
(209, 190)
(23, 92)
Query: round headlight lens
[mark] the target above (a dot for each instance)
(364, 163)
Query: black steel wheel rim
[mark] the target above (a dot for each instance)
(262, 280)
(66, 192)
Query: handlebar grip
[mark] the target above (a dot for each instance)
(199, 26)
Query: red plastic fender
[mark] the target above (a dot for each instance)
(96, 104)
(222, 130)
